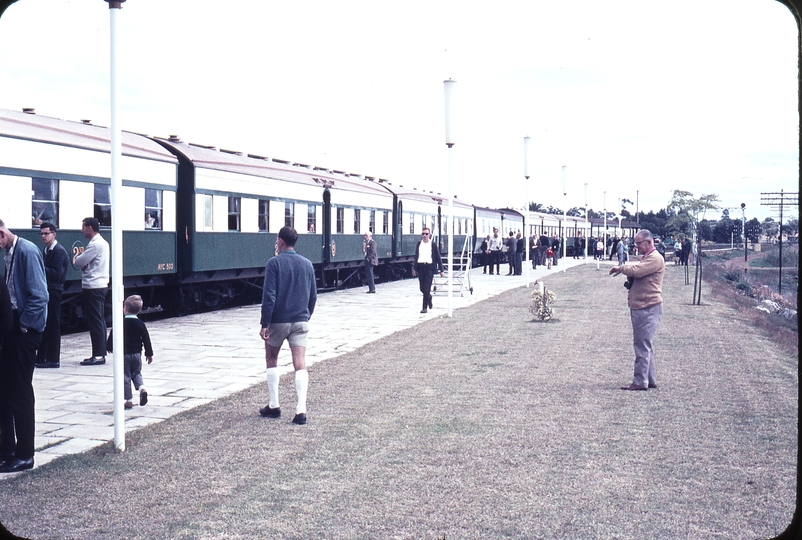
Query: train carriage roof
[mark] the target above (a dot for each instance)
(425, 196)
(210, 157)
(38, 128)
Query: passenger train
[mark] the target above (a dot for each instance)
(200, 222)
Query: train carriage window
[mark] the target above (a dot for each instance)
(385, 223)
(372, 221)
(44, 204)
(311, 218)
(357, 220)
(103, 204)
(153, 209)
(207, 212)
(234, 213)
(411, 223)
(264, 215)
(289, 214)
(340, 220)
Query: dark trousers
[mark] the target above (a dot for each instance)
(50, 349)
(369, 275)
(425, 277)
(17, 418)
(495, 260)
(94, 301)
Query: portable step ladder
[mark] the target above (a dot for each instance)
(461, 278)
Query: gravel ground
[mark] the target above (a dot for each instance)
(486, 425)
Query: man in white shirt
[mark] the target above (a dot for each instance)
(427, 262)
(94, 264)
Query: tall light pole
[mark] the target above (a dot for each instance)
(587, 236)
(743, 220)
(448, 91)
(527, 140)
(565, 219)
(117, 289)
(637, 197)
(605, 224)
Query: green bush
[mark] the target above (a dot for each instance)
(744, 287)
(733, 275)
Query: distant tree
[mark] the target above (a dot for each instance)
(687, 211)
(753, 230)
(722, 232)
(654, 222)
(791, 226)
(576, 212)
(535, 207)
(770, 227)
(705, 231)
(737, 228)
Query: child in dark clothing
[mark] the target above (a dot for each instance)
(135, 335)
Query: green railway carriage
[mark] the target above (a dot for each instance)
(232, 205)
(58, 171)
(417, 209)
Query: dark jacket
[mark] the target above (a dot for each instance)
(437, 262)
(56, 264)
(135, 335)
(370, 252)
(6, 313)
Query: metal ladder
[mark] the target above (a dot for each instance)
(461, 280)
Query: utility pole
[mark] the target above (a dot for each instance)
(777, 201)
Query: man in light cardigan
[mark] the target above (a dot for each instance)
(645, 306)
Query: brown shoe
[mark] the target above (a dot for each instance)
(634, 387)
(128, 405)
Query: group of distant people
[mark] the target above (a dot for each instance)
(30, 328)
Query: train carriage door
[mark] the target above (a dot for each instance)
(398, 237)
(326, 244)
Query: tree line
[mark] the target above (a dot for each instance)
(685, 214)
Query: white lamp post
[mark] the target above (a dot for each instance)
(587, 236)
(117, 289)
(565, 221)
(527, 140)
(448, 91)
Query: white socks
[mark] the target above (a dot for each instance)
(301, 385)
(272, 386)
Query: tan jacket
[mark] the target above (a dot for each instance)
(648, 285)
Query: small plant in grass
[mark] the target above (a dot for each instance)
(540, 307)
(733, 275)
(744, 287)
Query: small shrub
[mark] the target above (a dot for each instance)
(732, 275)
(744, 287)
(540, 307)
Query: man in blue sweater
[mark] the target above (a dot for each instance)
(27, 288)
(288, 300)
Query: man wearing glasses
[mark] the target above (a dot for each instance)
(645, 286)
(427, 262)
(56, 264)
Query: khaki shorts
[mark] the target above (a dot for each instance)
(295, 333)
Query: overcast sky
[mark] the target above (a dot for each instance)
(638, 95)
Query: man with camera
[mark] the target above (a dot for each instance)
(645, 285)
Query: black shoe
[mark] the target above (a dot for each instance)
(424, 310)
(430, 304)
(267, 412)
(371, 292)
(143, 398)
(16, 465)
(43, 365)
(94, 361)
(299, 419)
